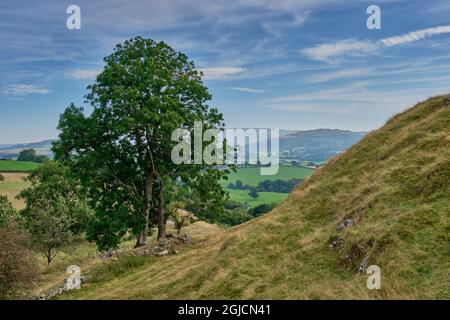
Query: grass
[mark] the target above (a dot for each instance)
(264, 197)
(12, 186)
(394, 185)
(252, 176)
(17, 166)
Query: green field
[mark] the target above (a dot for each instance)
(17, 166)
(252, 176)
(264, 197)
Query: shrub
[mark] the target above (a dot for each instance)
(17, 262)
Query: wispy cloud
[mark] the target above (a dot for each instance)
(329, 52)
(220, 73)
(84, 74)
(415, 36)
(340, 74)
(24, 89)
(248, 90)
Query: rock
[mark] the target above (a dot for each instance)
(163, 253)
(346, 223)
(335, 242)
(363, 265)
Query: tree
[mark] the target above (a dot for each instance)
(253, 193)
(181, 218)
(7, 212)
(122, 150)
(27, 155)
(56, 210)
(30, 155)
(2, 178)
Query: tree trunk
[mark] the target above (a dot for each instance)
(142, 238)
(161, 217)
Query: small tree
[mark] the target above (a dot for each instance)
(56, 211)
(181, 218)
(27, 155)
(253, 193)
(2, 178)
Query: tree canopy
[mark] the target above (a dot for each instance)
(122, 150)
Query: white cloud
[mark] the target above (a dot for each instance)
(327, 52)
(220, 73)
(24, 89)
(249, 90)
(340, 74)
(415, 36)
(84, 74)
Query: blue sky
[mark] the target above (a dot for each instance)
(289, 64)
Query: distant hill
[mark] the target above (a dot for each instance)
(316, 145)
(383, 202)
(11, 151)
(310, 145)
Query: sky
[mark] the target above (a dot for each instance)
(287, 64)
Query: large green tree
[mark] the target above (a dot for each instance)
(122, 149)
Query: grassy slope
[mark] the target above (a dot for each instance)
(395, 185)
(17, 166)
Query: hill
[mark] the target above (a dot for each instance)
(11, 151)
(316, 145)
(384, 202)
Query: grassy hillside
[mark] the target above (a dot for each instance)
(392, 189)
(17, 166)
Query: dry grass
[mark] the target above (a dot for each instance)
(12, 186)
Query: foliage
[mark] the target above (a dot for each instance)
(56, 209)
(2, 178)
(253, 193)
(7, 212)
(261, 209)
(17, 262)
(31, 155)
(282, 186)
(122, 150)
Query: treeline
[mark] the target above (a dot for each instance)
(32, 156)
(281, 186)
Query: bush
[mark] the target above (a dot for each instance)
(17, 262)
(261, 209)
(7, 212)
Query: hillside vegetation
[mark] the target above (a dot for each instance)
(385, 202)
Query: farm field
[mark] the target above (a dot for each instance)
(17, 166)
(264, 197)
(252, 176)
(12, 186)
